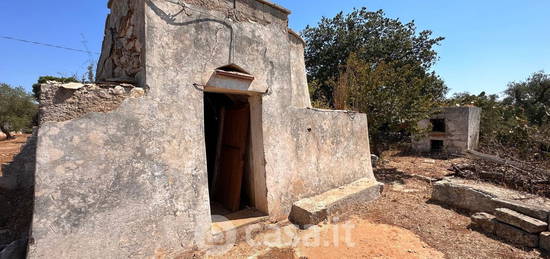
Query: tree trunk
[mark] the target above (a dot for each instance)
(6, 132)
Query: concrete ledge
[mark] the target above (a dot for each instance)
(316, 209)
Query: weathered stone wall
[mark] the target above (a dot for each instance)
(313, 152)
(300, 89)
(474, 128)
(59, 102)
(122, 58)
(133, 182)
(461, 133)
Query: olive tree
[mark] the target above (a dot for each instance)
(17, 109)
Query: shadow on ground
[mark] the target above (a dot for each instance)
(391, 175)
(16, 202)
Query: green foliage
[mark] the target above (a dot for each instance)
(366, 62)
(532, 97)
(44, 79)
(17, 109)
(517, 124)
(88, 76)
(394, 97)
(373, 38)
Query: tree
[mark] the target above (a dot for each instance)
(367, 62)
(88, 76)
(374, 38)
(17, 109)
(512, 126)
(532, 97)
(45, 79)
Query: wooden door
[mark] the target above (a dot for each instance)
(231, 160)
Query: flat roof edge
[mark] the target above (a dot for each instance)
(276, 6)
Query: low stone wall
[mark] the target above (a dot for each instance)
(482, 197)
(63, 102)
(519, 218)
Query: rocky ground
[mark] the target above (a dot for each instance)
(402, 223)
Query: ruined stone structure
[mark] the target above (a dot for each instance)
(221, 124)
(454, 130)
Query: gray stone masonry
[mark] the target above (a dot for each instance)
(483, 197)
(516, 236)
(484, 221)
(462, 196)
(527, 209)
(521, 221)
(63, 102)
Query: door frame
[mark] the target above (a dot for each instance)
(257, 155)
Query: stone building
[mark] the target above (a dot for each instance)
(454, 130)
(202, 109)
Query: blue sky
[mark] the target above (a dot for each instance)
(488, 43)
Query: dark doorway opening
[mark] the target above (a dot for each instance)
(437, 145)
(438, 125)
(227, 137)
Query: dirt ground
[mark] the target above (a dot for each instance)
(10, 148)
(403, 223)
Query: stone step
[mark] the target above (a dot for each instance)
(484, 222)
(316, 209)
(521, 221)
(523, 208)
(516, 236)
(490, 225)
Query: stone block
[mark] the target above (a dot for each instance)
(527, 209)
(484, 222)
(544, 242)
(316, 209)
(516, 236)
(521, 221)
(307, 212)
(461, 196)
